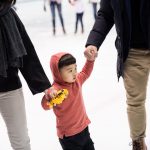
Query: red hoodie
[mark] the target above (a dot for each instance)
(71, 115)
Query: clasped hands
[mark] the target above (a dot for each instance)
(91, 52)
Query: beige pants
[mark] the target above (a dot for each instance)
(136, 74)
(12, 109)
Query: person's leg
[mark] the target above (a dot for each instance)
(67, 144)
(12, 108)
(76, 23)
(59, 8)
(81, 21)
(52, 8)
(75, 142)
(89, 145)
(95, 10)
(71, 143)
(136, 74)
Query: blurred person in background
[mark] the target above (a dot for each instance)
(53, 5)
(17, 53)
(94, 5)
(79, 10)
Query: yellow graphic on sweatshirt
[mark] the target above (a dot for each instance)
(61, 96)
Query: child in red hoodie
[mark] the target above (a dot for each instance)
(71, 117)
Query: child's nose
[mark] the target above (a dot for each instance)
(75, 72)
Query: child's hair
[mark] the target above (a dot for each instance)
(66, 60)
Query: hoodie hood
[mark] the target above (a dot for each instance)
(54, 67)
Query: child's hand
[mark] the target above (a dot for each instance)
(45, 103)
(58, 99)
(91, 53)
(50, 93)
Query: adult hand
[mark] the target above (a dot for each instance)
(50, 93)
(91, 52)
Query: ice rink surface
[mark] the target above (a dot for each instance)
(104, 96)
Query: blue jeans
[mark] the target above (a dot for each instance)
(53, 6)
(79, 18)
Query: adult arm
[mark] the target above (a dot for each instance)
(103, 23)
(86, 71)
(32, 70)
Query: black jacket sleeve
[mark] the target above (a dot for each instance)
(102, 25)
(32, 69)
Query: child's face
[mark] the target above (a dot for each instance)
(68, 73)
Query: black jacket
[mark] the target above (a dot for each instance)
(31, 69)
(117, 12)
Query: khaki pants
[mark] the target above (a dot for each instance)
(136, 72)
(12, 109)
